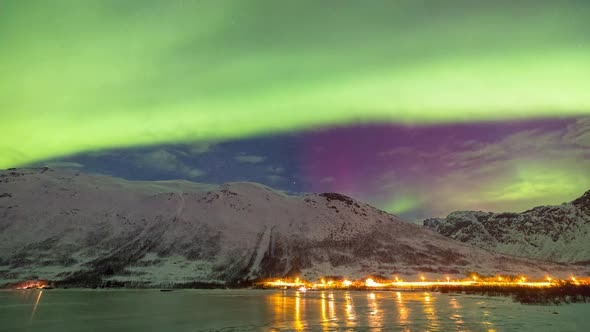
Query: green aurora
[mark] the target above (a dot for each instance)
(89, 75)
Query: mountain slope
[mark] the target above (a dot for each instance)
(557, 233)
(87, 230)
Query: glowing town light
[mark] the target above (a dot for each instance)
(38, 284)
(302, 289)
(300, 284)
(371, 283)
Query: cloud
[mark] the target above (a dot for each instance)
(396, 151)
(274, 179)
(250, 159)
(275, 169)
(528, 144)
(201, 148)
(578, 133)
(194, 172)
(165, 161)
(159, 160)
(388, 182)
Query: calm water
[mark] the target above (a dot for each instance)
(258, 310)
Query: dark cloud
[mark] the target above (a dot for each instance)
(251, 159)
(165, 161)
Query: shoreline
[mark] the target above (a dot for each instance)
(557, 295)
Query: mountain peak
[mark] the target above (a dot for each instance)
(337, 197)
(584, 200)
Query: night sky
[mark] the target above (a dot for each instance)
(418, 107)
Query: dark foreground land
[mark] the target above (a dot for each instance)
(527, 295)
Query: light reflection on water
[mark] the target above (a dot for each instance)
(375, 316)
(36, 304)
(257, 310)
(403, 311)
(408, 311)
(350, 313)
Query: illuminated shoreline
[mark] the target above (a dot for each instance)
(421, 283)
(336, 283)
(549, 291)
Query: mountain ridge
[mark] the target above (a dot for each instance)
(558, 233)
(87, 230)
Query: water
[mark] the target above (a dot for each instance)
(273, 310)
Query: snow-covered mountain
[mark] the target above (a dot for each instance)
(86, 230)
(558, 233)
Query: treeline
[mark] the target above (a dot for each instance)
(566, 293)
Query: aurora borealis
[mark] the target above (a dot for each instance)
(419, 107)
